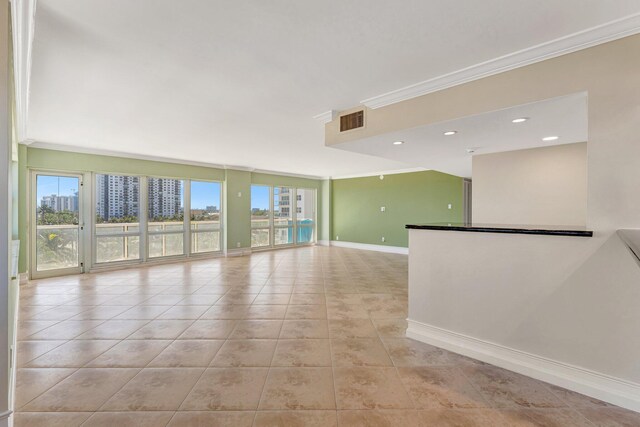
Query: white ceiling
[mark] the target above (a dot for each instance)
(237, 83)
(427, 146)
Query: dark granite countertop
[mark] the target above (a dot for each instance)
(549, 230)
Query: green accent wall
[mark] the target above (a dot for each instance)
(22, 207)
(416, 197)
(80, 162)
(237, 211)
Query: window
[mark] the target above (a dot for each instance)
(260, 216)
(117, 225)
(282, 220)
(205, 216)
(272, 221)
(165, 206)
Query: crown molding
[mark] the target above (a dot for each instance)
(292, 175)
(387, 172)
(327, 116)
(590, 37)
(23, 24)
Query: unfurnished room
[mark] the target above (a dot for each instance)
(320, 214)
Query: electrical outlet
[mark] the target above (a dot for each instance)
(237, 244)
(239, 193)
(337, 237)
(449, 206)
(383, 240)
(383, 208)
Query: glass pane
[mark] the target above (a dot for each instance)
(260, 206)
(207, 241)
(205, 206)
(305, 214)
(259, 237)
(166, 214)
(57, 247)
(117, 248)
(305, 234)
(58, 215)
(166, 203)
(283, 235)
(117, 204)
(165, 245)
(282, 214)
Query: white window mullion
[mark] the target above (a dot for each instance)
(143, 211)
(186, 210)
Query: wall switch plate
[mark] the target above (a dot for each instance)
(449, 206)
(239, 193)
(383, 208)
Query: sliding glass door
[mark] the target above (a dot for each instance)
(57, 235)
(165, 217)
(117, 218)
(206, 230)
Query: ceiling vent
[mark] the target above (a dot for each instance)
(352, 121)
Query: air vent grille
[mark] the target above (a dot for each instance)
(352, 121)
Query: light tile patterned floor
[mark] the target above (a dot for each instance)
(299, 337)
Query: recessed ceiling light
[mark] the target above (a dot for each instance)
(450, 132)
(520, 120)
(550, 138)
(398, 143)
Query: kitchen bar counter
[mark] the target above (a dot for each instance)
(550, 230)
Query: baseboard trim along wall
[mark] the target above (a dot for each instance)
(369, 247)
(324, 243)
(600, 386)
(238, 252)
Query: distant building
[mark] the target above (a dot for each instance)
(61, 203)
(165, 197)
(117, 196)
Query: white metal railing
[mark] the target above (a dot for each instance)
(166, 232)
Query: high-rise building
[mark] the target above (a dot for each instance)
(165, 197)
(117, 196)
(61, 203)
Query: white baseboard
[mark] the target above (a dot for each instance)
(238, 252)
(600, 386)
(369, 247)
(323, 243)
(6, 419)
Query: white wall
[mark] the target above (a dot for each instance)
(545, 306)
(546, 186)
(5, 213)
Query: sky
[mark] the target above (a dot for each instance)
(59, 185)
(205, 194)
(259, 197)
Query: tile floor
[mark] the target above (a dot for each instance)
(299, 337)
